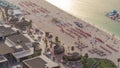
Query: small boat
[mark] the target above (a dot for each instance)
(114, 15)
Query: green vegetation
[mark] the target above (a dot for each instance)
(99, 63)
(71, 58)
(96, 63)
(104, 63)
(72, 48)
(85, 60)
(90, 62)
(6, 11)
(56, 39)
(36, 53)
(118, 61)
(30, 24)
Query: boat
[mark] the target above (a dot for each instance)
(114, 15)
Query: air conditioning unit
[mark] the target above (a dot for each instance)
(18, 48)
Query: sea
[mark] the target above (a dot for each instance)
(93, 12)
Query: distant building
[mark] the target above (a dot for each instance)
(39, 62)
(21, 45)
(4, 62)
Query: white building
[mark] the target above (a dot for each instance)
(21, 45)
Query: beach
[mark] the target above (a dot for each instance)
(93, 12)
(42, 14)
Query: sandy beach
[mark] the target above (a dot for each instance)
(42, 14)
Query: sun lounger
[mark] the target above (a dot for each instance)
(111, 48)
(69, 24)
(71, 31)
(85, 33)
(79, 32)
(92, 52)
(69, 34)
(98, 39)
(81, 45)
(98, 52)
(105, 49)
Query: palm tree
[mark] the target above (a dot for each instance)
(72, 48)
(6, 11)
(56, 39)
(46, 42)
(30, 24)
(3, 16)
(84, 62)
(118, 61)
(23, 20)
(86, 55)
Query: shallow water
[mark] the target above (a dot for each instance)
(92, 11)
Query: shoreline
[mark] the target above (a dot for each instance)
(102, 29)
(65, 18)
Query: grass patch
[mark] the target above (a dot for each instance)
(90, 62)
(104, 63)
(100, 63)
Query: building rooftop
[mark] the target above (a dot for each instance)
(35, 63)
(40, 62)
(19, 40)
(2, 59)
(4, 49)
(5, 31)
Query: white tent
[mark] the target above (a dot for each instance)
(17, 12)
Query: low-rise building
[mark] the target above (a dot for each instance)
(4, 62)
(39, 62)
(21, 45)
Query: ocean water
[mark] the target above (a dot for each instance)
(92, 11)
